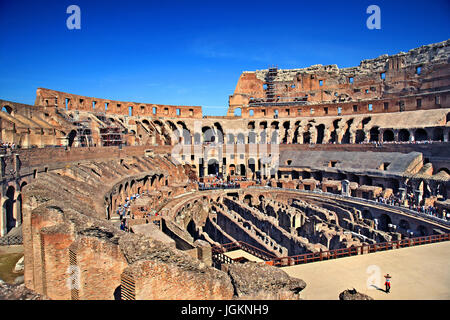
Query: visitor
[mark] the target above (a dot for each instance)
(388, 283)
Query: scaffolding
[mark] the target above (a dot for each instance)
(272, 100)
(111, 136)
(84, 133)
(270, 82)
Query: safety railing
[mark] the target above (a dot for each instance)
(218, 252)
(352, 251)
(11, 240)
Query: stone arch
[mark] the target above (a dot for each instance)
(404, 224)
(346, 136)
(438, 134)
(186, 133)
(117, 295)
(248, 200)
(241, 138)
(384, 221)
(306, 137)
(403, 135)
(251, 137)
(374, 134)
(320, 133)
(237, 112)
(71, 137)
(251, 165)
(274, 138)
(8, 109)
(208, 134)
(242, 168)
(213, 167)
(8, 207)
(388, 136)
(420, 135)
(422, 230)
(360, 136)
(230, 138)
(219, 132)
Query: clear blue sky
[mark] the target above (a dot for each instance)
(192, 52)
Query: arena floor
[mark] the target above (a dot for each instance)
(418, 273)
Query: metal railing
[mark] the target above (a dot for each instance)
(218, 252)
(219, 257)
(352, 251)
(11, 240)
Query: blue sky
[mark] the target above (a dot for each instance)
(192, 52)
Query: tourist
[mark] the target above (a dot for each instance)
(388, 283)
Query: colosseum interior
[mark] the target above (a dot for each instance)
(143, 201)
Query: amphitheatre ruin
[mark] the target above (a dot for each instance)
(126, 200)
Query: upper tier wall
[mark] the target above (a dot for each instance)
(68, 101)
(419, 79)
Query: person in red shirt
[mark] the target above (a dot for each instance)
(388, 283)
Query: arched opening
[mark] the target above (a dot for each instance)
(242, 167)
(366, 214)
(374, 134)
(360, 136)
(232, 169)
(320, 133)
(403, 224)
(237, 112)
(241, 138)
(248, 200)
(251, 137)
(385, 220)
(208, 135)
(118, 293)
(230, 138)
(388, 136)
(71, 137)
(274, 138)
(447, 118)
(213, 167)
(346, 136)
(420, 135)
(438, 134)
(8, 206)
(252, 165)
(307, 137)
(219, 132)
(7, 109)
(422, 230)
(403, 135)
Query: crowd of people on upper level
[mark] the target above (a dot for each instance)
(8, 145)
(410, 202)
(218, 183)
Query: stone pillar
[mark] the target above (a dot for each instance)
(2, 166)
(345, 188)
(402, 192)
(204, 252)
(418, 194)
